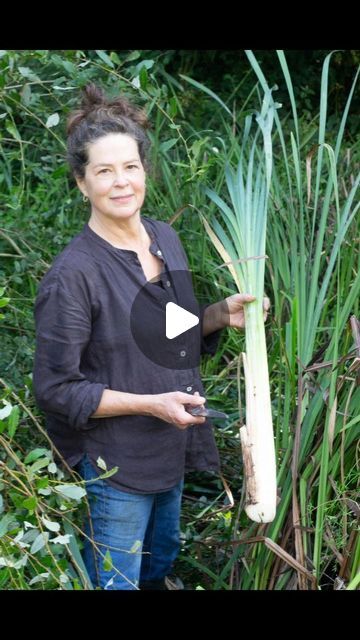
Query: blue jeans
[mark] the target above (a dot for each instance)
(140, 531)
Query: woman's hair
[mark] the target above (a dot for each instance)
(97, 117)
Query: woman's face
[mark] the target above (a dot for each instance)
(114, 178)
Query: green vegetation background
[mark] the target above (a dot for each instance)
(197, 102)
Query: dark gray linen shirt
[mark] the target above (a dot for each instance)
(84, 345)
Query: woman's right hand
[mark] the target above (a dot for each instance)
(170, 408)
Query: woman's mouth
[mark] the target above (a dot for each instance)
(122, 199)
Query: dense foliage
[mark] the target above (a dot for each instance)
(312, 279)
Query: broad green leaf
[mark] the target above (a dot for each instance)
(6, 411)
(105, 58)
(9, 562)
(64, 578)
(27, 73)
(173, 107)
(41, 577)
(134, 55)
(61, 539)
(52, 526)
(39, 542)
(109, 473)
(147, 64)
(70, 491)
(165, 146)
(143, 76)
(45, 492)
(42, 482)
(30, 503)
(5, 522)
(22, 562)
(26, 94)
(55, 86)
(115, 58)
(35, 454)
(136, 82)
(39, 464)
(30, 535)
(5, 562)
(13, 421)
(107, 561)
(19, 539)
(70, 67)
(52, 120)
(101, 463)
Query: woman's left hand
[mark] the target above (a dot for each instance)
(235, 309)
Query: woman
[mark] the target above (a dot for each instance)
(104, 393)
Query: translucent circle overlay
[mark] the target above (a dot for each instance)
(148, 322)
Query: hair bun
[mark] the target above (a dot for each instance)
(122, 107)
(92, 96)
(95, 106)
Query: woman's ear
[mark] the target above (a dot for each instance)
(81, 186)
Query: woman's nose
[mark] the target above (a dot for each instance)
(120, 179)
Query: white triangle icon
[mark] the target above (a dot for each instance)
(178, 320)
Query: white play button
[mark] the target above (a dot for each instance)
(165, 322)
(178, 320)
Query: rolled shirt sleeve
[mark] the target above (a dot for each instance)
(63, 323)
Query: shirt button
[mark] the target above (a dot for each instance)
(188, 388)
(168, 283)
(159, 253)
(183, 354)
